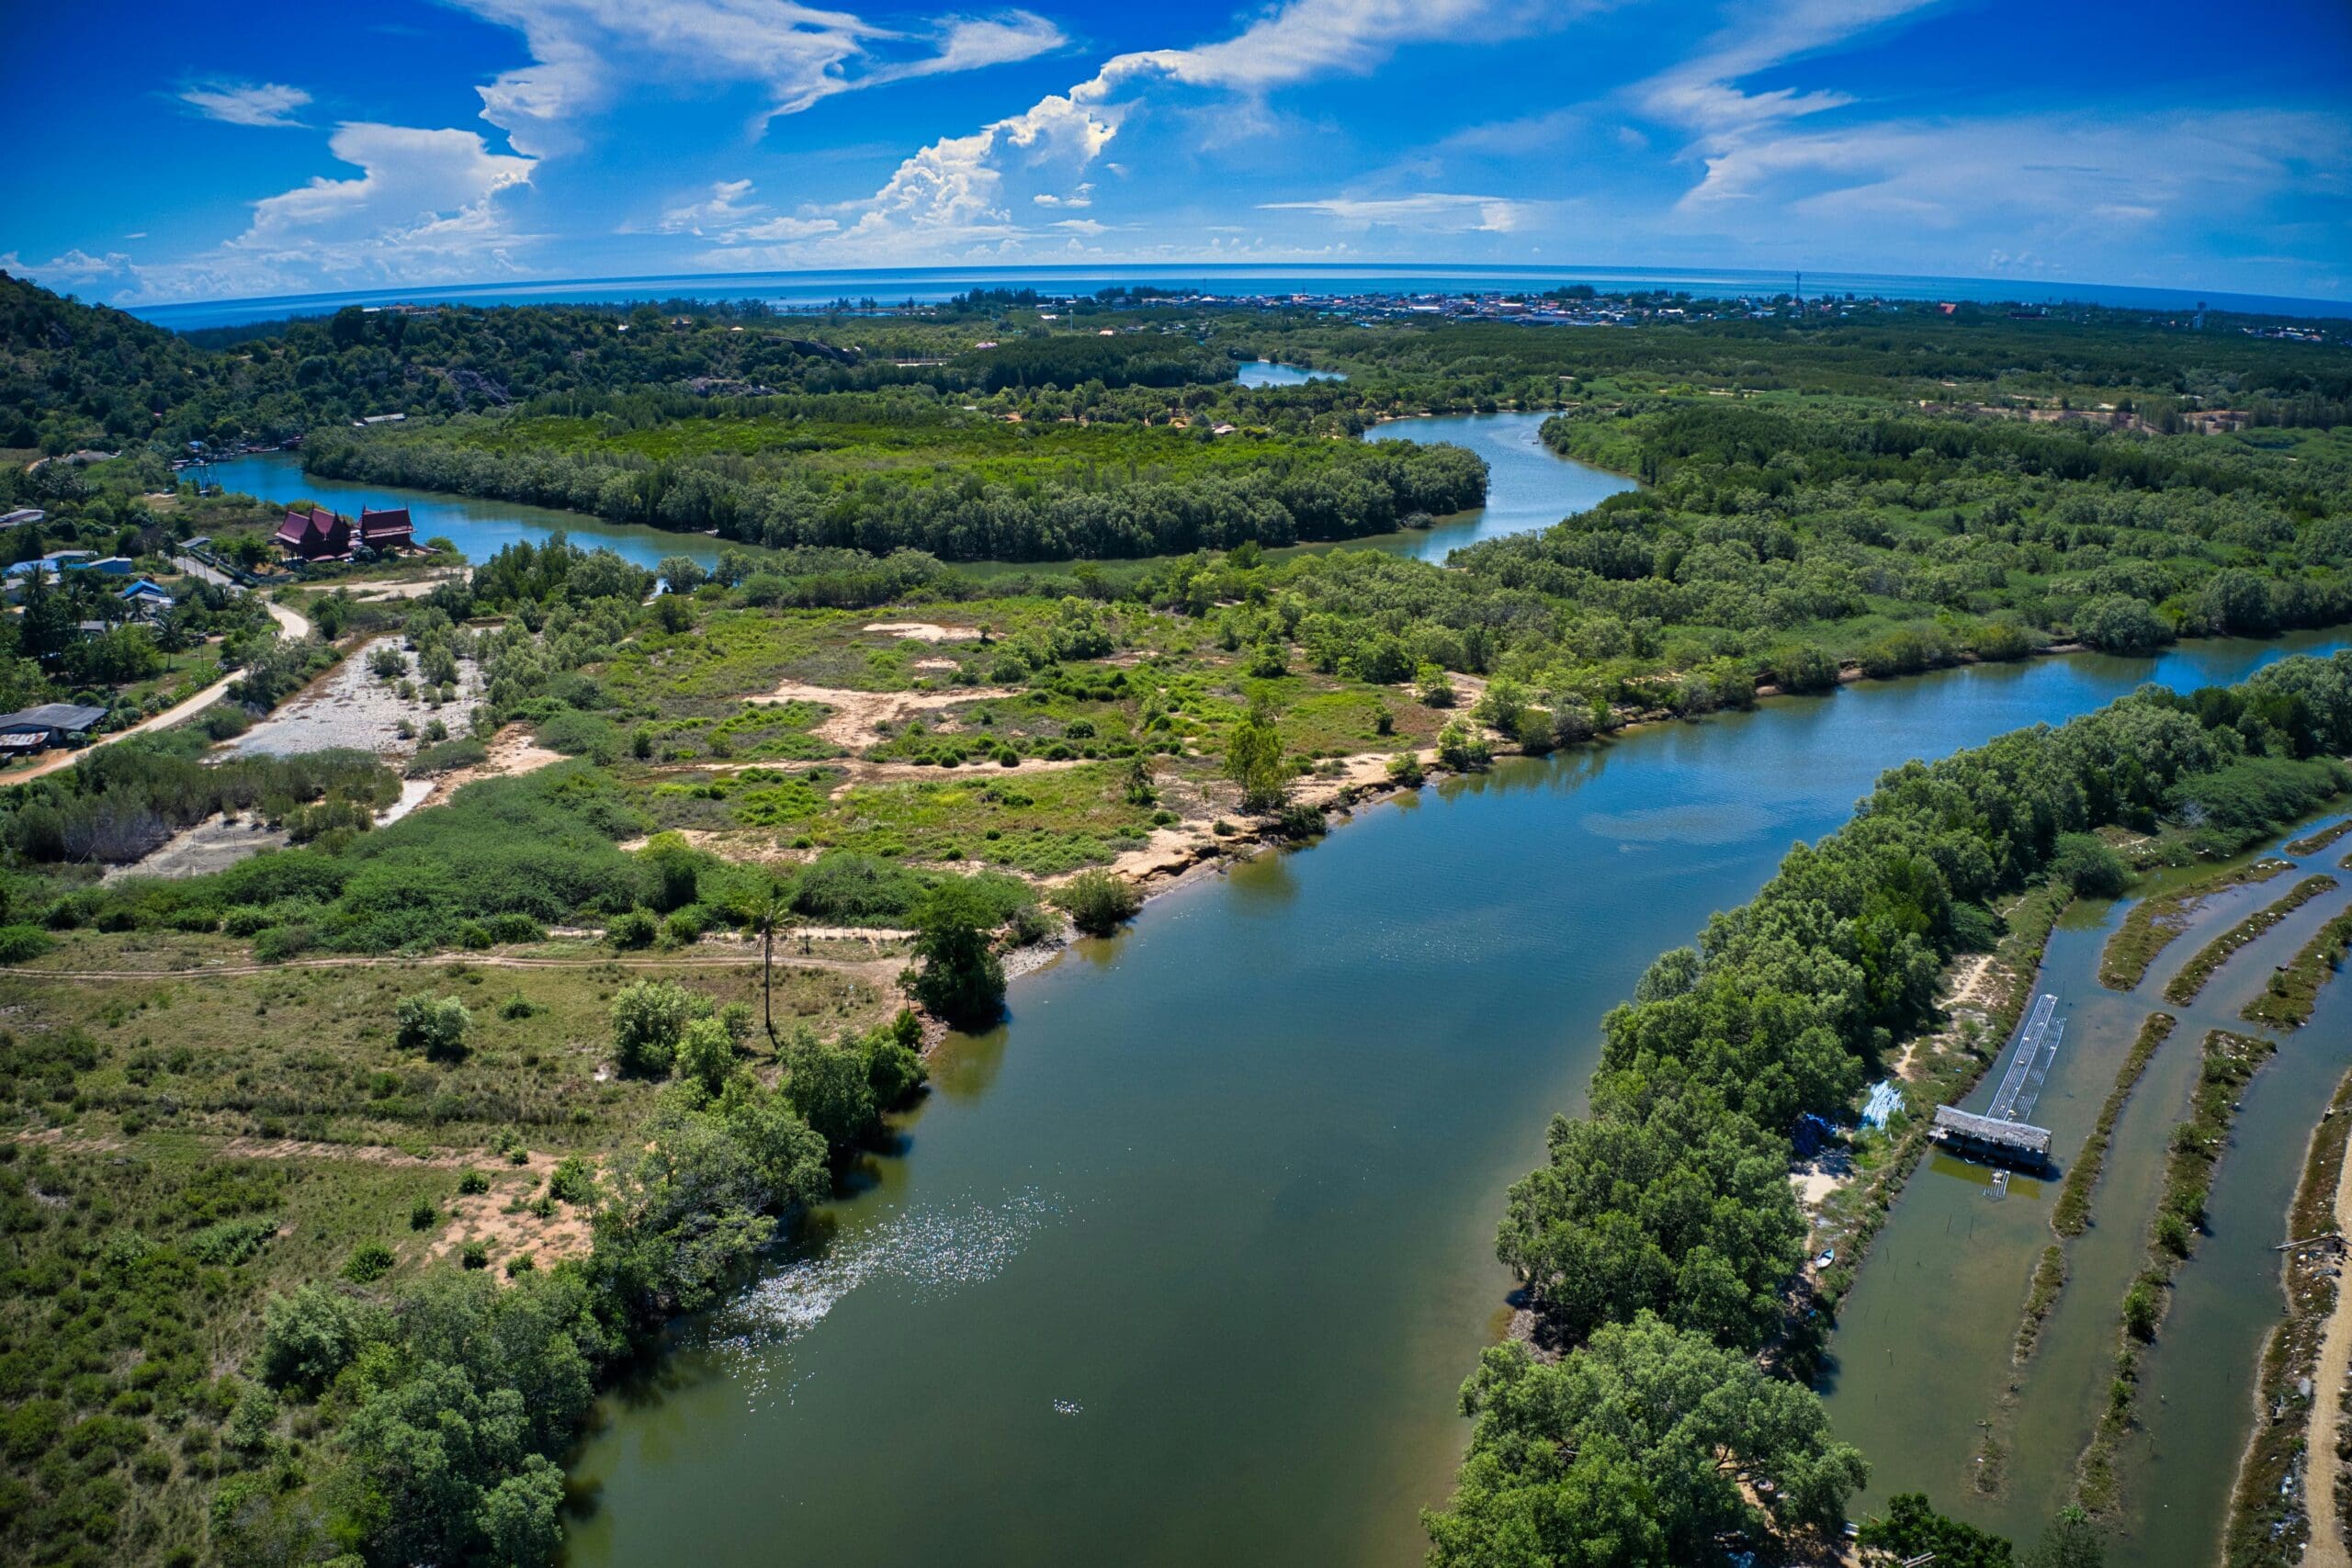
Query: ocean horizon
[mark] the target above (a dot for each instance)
(896, 286)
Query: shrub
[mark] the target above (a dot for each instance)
(2085, 863)
(648, 1019)
(632, 928)
(1463, 748)
(1097, 901)
(437, 1026)
(474, 1255)
(369, 1262)
(472, 1182)
(422, 1213)
(22, 944)
(574, 1181)
(280, 943)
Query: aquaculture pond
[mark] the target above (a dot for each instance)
(1186, 1261)
(1923, 1370)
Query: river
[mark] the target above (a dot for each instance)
(1185, 1262)
(479, 528)
(1529, 487)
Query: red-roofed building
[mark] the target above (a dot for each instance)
(314, 534)
(386, 530)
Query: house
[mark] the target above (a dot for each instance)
(51, 723)
(315, 534)
(23, 514)
(146, 599)
(111, 566)
(53, 565)
(386, 530)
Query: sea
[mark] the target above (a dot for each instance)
(886, 289)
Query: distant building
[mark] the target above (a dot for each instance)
(386, 530)
(146, 598)
(22, 515)
(51, 723)
(54, 564)
(112, 566)
(315, 534)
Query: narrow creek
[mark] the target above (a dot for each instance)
(1185, 1262)
(1922, 1368)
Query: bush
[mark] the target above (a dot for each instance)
(472, 1182)
(632, 928)
(422, 1214)
(474, 1255)
(437, 1026)
(280, 943)
(1097, 901)
(22, 944)
(369, 1262)
(648, 1019)
(574, 1181)
(2083, 862)
(1463, 748)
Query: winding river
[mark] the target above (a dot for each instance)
(1528, 488)
(1185, 1262)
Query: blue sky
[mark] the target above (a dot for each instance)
(164, 153)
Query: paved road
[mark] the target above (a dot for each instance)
(288, 621)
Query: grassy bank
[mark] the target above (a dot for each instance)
(2153, 923)
(2287, 1001)
(2183, 987)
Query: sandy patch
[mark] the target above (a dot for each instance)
(512, 751)
(500, 1221)
(1814, 1187)
(857, 716)
(925, 631)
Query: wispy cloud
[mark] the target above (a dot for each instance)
(1430, 211)
(585, 52)
(245, 103)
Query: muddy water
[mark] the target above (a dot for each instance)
(1186, 1263)
(1922, 1369)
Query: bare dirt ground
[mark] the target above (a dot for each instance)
(213, 844)
(512, 751)
(857, 716)
(926, 631)
(499, 1220)
(2322, 1465)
